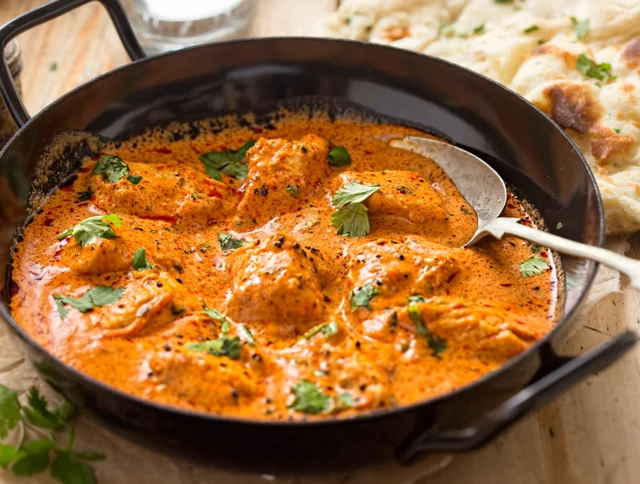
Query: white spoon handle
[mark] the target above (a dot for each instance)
(503, 225)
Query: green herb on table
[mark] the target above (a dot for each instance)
(437, 345)
(85, 196)
(97, 296)
(339, 156)
(140, 262)
(228, 243)
(111, 167)
(24, 459)
(581, 27)
(134, 179)
(362, 297)
(309, 398)
(230, 162)
(533, 266)
(602, 71)
(533, 28)
(351, 219)
(92, 229)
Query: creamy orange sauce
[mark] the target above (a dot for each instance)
(293, 273)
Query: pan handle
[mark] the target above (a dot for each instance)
(37, 16)
(565, 373)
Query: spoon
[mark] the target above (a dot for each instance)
(486, 192)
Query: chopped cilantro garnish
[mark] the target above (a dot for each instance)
(327, 329)
(581, 27)
(503, 1)
(214, 314)
(140, 262)
(602, 71)
(479, 29)
(309, 398)
(134, 179)
(97, 296)
(112, 168)
(230, 162)
(533, 28)
(346, 400)
(617, 130)
(223, 346)
(85, 196)
(362, 296)
(92, 229)
(437, 345)
(351, 218)
(533, 266)
(246, 335)
(559, 225)
(339, 156)
(228, 243)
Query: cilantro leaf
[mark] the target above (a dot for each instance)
(228, 243)
(479, 29)
(8, 454)
(97, 296)
(362, 296)
(230, 162)
(223, 346)
(111, 167)
(68, 469)
(581, 27)
(327, 329)
(309, 398)
(251, 341)
(214, 314)
(602, 71)
(9, 410)
(533, 28)
(33, 457)
(93, 228)
(353, 193)
(351, 218)
(346, 400)
(339, 156)
(39, 415)
(503, 1)
(134, 179)
(533, 266)
(85, 196)
(437, 345)
(140, 262)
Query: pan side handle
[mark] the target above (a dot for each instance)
(37, 16)
(566, 373)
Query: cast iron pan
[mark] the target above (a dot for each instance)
(255, 75)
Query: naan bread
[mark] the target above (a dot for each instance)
(533, 48)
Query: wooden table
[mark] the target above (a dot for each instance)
(590, 435)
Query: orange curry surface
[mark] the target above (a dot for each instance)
(246, 300)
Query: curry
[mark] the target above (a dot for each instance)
(304, 270)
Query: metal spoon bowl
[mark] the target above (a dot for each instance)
(486, 192)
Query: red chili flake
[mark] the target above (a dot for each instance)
(506, 285)
(164, 151)
(543, 253)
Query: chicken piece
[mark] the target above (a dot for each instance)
(104, 255)
(396, 272)
(166, 191)
(488, 331)
(275, 282)
(282, 174)
(212, 381)
(403, 194)
(149, 302)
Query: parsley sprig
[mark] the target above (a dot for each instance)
(230, 162)
(310, 399)
(351, 219)
(93, 228)
(362, 296)
(24, 459)
(140, 262)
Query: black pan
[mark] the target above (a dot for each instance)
(528, 149)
